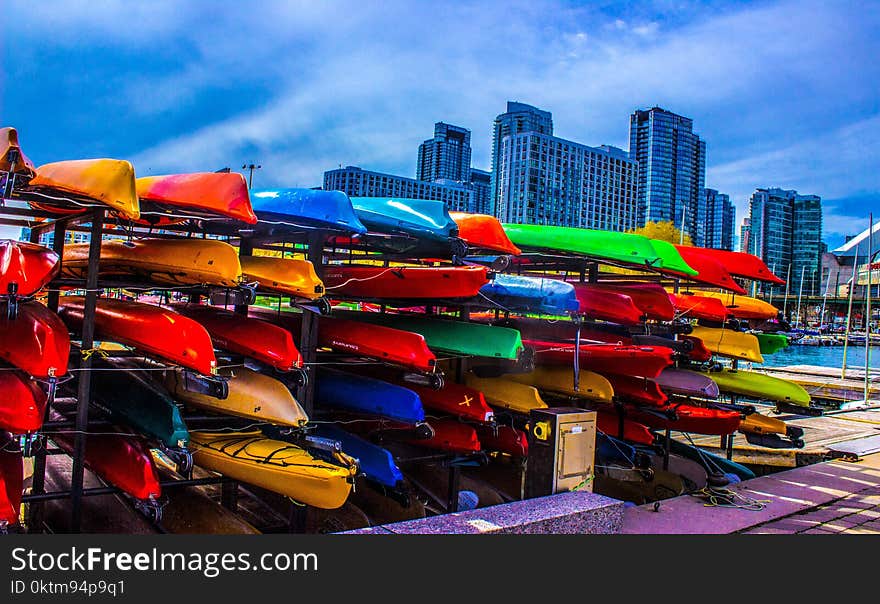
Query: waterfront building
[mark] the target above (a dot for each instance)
(481, 185)
(745, 235)
(542, 179)
(720, 219)
(447, 156)
(518, 118)
(672, 170)
(786, 232)
(356, 182)
(840, 261)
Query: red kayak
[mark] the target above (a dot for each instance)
(177, 197)
(505, 439)
(387, 344)
(22, 403)
(25, 267)
(650, 298)
(450, 435)
(483, 232)
(646, 361)
(741, 264)
(404, 282)
(698, 353)
(608, 421)
(247, 336)
(155, 330)
(699, 307)
(687, 418)
(606, 306)
(636, 390)
(36, 341)
(11, 485)
(455, 399)
(559, 331)
(123, 461)
(710, 271)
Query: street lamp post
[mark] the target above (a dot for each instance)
(251, 168)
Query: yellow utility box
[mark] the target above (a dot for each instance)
(562, 451)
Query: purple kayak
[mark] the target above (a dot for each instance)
(686, 383)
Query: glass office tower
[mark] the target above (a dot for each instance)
(447, 156)
(518, 118)
(720, 219)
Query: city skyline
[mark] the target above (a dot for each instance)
(317, 88)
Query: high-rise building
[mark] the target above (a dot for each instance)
(481, 184)
(745, 235)
(518, 118)
(447, 156)
(786, 232)
(355, 182)
(720, 220)
(672, 170)
(543, 179)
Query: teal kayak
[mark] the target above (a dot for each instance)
(425, 221)
(627, 248)
(459, 337)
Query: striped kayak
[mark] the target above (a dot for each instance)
(25, 268)
(626, 248)
(36, 341)
(507, 394)
(127, 393)
(22, 404)
(165, 261)
(274, 465)
(282, 212)
(157, 331)
(483, 233)
(404, 282)
(744, 307)
(11, 485)
(289, 276)
(72, 186)
(759, 386)
(529, 294)
(251, 395)
(244, 335)
(560, 380)
(173, 198)
(360, 394)
(729, 343)
(9, 142)
(459, 337)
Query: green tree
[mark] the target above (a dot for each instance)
(664, 230)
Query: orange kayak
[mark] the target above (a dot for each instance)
(174, 198)
(483, 232)
(82, 182)
(289, 276)
(699, 307)
(9, 142)
(744, 307)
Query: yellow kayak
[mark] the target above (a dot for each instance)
(251, 394)
(761, 424)
(283, 275)
(560, 379)
(743, 307)
(507, 394)
(109, 181)
(730, 343)
(168, 261)
(9, 142)
(275, 465)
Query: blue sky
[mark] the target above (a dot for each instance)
(785, 93)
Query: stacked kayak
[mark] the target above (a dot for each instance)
(288, 276)
(173, 198)
(531, 295)
(404, 282)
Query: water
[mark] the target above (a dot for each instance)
(825, 356)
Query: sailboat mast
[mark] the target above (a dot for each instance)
(852, 286)
(868, 308)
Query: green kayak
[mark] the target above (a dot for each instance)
(628, 248)
(760, 386)
(771, 342)
(459, 337)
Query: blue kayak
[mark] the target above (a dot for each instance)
(376, 463)
(361, 394)
(426, 221)
(613, 450)
(531, 294)
(280, 210)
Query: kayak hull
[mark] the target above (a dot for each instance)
(684, 382)
(11, 486)
(377, 464)
(173, 198)
(360, 394)
(650, 298)
(507, 394)
(404, 282)
(25, 268)
(729, 343)
(760, 387)
(645, 361)
(289, 276)
(505, 439)
(286, 211)
(560, 380)
(450, 435)
(483, 232)
(36, 341)
(108, 181)
(531, 295)
(22, 403)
